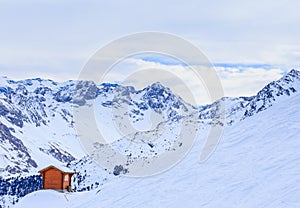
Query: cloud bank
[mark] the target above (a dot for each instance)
(237, 80)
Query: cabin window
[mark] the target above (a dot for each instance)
(66, 178)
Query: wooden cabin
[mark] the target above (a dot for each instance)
(57, 178)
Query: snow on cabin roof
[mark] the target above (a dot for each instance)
(59, 167)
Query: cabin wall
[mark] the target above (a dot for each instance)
(53, 179)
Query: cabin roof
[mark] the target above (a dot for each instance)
(58, 167)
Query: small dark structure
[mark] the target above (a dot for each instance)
(57, 178)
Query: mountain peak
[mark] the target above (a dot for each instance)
(294, 72)
(157, 85)
(159, 88)
(288, 78)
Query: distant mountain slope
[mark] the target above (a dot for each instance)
(242, 107)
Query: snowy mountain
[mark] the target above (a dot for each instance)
(255, 163)
(38, 129)
(243, 107)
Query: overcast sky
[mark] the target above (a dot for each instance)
(54, 39)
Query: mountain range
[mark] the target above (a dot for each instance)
(254, 165)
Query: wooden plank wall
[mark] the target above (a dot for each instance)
(53, 179)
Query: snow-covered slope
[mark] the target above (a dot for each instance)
(256, 164)
(243, 107)
(257, 153)
(46, 198)
(37, 126)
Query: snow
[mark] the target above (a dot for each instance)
(256, 164)
(44, 199)
(60, 167)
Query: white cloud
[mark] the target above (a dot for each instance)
(237, 80)
(248, 81)
(231, 31)
(140, 74)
